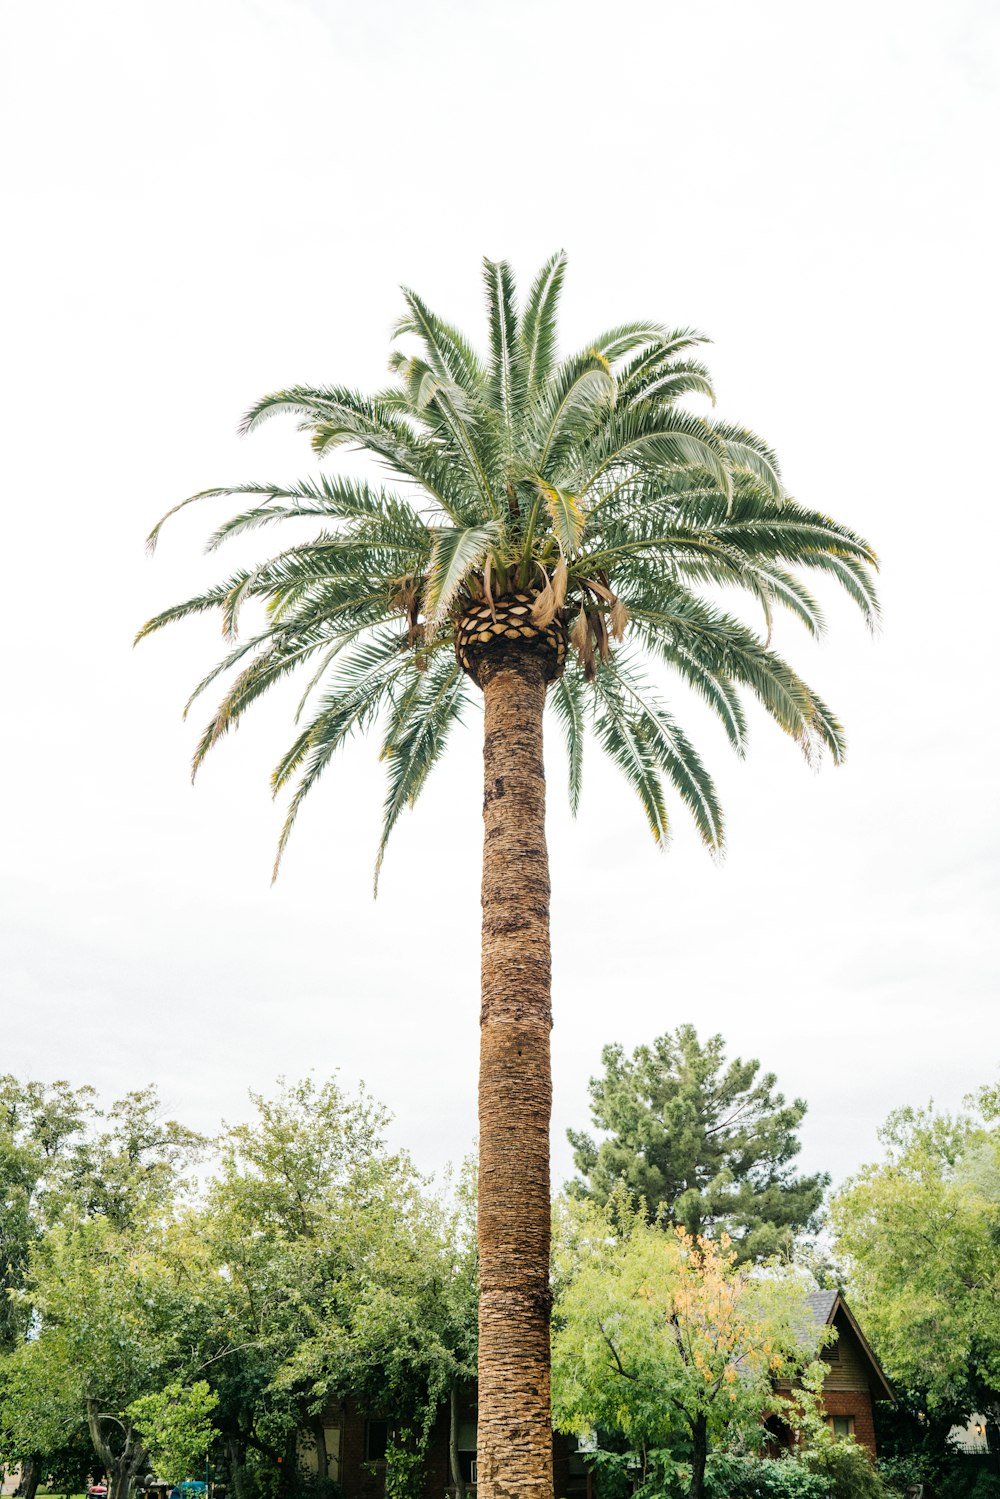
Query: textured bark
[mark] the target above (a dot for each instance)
(514, 1454)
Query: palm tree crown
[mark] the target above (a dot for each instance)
(570, 502)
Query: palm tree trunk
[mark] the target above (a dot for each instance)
(514, 1456)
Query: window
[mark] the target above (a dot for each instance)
(467, 1450)
(376, 1441)
(841, 1426)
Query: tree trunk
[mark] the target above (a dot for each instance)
(120, 1469)
(514, 1457)
(31, 1473)
(237, 1470)
(322, 1457)
(699, 1456)
(288, 1472)
(458, 1482)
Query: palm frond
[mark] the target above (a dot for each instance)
(448, 351)
(577, 396)
(505, 384)
(664, 436)
(567, 699)
(199, 603)
(623, 737)
(615, 343)
(454, 554)
(750, 453)
(568, 520)
(672, 752)
(420, 720)
(504, 468)
(854, 579)
(721, 643)
(538, 327)
(350, 704)
(336, 415)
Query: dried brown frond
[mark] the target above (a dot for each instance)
(600, 630)
(543, 610)
(560, 578)
(619, 619)
(582, 640)
(600, 589)
(488, 587)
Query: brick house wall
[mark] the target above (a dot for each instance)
(857, 1405)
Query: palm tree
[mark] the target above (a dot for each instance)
(561, 529)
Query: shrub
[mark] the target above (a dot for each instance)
(730, 1477)
(847, 1469)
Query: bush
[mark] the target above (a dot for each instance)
(731, 1477)
(847, 1469)
(986, 1486)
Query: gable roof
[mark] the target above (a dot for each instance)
(823, 1308)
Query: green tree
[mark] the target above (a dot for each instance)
(667, 1342)
(86, 1193)
(707, 1145)
(176, 1425)
(43, 1128)
(921, 1233)
(341, 1276)
(562, 527)
(134, 1165)
(118, 1315)
(39, 1125)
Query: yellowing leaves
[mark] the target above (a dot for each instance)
(567, 517)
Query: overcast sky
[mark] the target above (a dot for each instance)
(209, 199)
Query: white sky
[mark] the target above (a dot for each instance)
(204, 201)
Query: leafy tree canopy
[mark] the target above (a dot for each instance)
(75, 1183)
(176, 1423)
(117, 1314)
(921, 1233)
(315, 1264)
(39, 1125)
(667, 1341)
(342, 1273)
(707, 1145)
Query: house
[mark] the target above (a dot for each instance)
(354, 1442)
(856, 1379)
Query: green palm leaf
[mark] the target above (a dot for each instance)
(583, 478)
(538, 329)
(568, 698)
(568, 519)
(422, 716)
(454, 554)
(671, 750)
(506, 382)
(623, 737)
